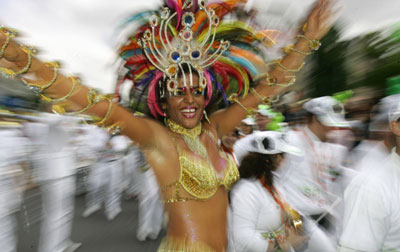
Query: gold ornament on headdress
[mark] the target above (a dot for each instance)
(182, 49)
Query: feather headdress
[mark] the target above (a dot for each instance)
(187, 36)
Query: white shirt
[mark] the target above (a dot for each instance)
(372, 207)
(306, 180)
(254, 212)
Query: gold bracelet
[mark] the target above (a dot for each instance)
(272, 81)
(107, 115)
(289, 48)
(10, 33)
(265, 100)
(235, 98)
(278, 62)
(75, 83)
(9, 73)
(93, 98)
(38, 88)
(114, 129)
(313, 44)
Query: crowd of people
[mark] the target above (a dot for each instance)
(302, 185)
(281, 186)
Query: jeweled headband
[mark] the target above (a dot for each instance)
(182, 49)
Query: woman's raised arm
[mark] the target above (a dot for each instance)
(319, 22)
(19, 62)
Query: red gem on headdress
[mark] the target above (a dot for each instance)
(184, 89)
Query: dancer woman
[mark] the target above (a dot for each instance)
(191, 169)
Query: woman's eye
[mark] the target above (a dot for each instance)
(197, 91)
(179, 93)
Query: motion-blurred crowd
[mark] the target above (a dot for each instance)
(326, 178)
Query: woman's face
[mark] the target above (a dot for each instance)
(245, 129)
(277, 161)
(186, 108)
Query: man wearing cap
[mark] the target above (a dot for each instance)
(308, 180)
(372, 200)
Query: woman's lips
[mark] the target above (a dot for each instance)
(189, 112)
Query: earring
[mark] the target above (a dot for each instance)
(161, 89)
(205, 116)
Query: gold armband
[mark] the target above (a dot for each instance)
(93, 97)
(9, 73)
(75, 83)
(115, 129)
(313, 44)
(107, 115)
(272, 81)
(265, 100)
(278, 62)
(38, 88)
(10, 33)
(290, 48)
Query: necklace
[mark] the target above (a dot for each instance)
(190, 136)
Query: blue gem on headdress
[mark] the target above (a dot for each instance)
(175, 56)
(195, 54)
(188, 20)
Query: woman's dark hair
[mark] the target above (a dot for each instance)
(258, 165)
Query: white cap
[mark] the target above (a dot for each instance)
(272, 142)
(329, 111)
(394, 112)
(380, 121)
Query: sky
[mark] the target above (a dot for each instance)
(83, 34)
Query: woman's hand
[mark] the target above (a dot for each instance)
(321, 19)
(296, 241)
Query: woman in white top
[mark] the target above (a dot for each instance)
(261, 220)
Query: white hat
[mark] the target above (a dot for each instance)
(272, 142)
(380, 121)
(329, 111)
(394, 112)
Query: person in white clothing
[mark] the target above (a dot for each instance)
(372, 200)
(151, 210)
(260, 218)
(132, 164)
(12, 161)
(308, 181)
(105, 176)
(54, 163)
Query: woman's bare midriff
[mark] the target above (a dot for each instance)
(200, 221)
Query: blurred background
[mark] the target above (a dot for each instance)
(359, 63)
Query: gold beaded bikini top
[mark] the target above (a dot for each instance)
(197, 175)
